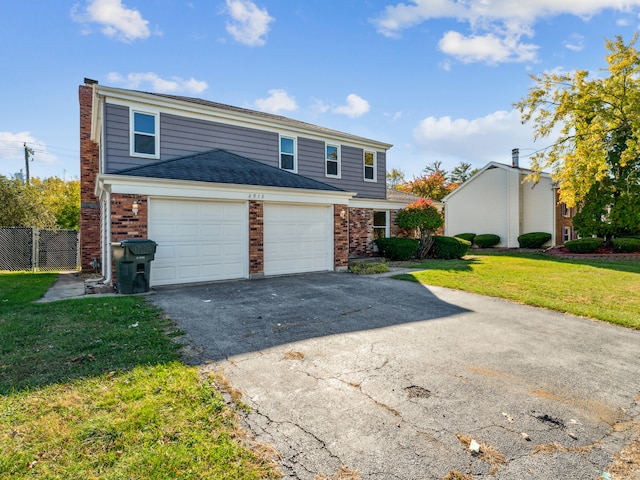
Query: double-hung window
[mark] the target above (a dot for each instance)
(144, 134)
(370, 167)
(288, 154)
(332, 160)
(380, 223)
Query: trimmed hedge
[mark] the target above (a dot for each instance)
(486, 240)
(533, 239)
(466, 236)
(397, 248)
(626, 245)
(446, 248)
(583, 245)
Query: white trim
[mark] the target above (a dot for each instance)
(233, 116)
(295, 153)
(339, 160)
(220, 191)
(387, 217)
(375, 166)
(377, 204)
(132, 133)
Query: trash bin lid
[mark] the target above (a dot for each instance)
(140, 246)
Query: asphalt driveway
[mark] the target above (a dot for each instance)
(396, 380)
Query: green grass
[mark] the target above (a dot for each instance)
(93, 388)
(603, 290)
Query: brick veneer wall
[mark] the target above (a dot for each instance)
(126, 225)
(89, 203)
(340, 237)
(256, 238)
(561, 221)
(361, 232)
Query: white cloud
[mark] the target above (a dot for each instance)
(276, 102)
(356, 106)
(496, 27)
(12, 154)
(575, 43)
(158, 84)
(486, 48)
(478, 141)
(249, 24)
(117, 20)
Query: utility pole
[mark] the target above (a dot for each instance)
(27, 153)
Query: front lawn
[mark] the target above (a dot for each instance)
(93, 388)
(608, 291)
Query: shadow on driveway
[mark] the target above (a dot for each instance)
(231, 318)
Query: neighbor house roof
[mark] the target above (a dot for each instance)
(221, 166)
(490, 166)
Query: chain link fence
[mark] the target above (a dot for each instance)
(36, 249)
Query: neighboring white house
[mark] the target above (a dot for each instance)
(497, 200)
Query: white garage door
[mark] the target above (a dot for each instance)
(198, 241)
(297, 238)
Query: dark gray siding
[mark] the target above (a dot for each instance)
(311, 164)
(116, 122)
(182, 136)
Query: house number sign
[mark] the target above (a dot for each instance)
(256, 196)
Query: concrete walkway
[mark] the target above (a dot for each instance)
(68, 285)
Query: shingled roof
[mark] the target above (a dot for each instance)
(221, 166)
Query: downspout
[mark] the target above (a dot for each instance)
(107, 241)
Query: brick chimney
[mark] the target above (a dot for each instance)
(89, 166)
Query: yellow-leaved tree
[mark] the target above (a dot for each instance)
(596, 159)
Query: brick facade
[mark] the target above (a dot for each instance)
(256, 238)
(361, 232)
(89, 167)
(564, 220)
(124, 223)
(340, 237)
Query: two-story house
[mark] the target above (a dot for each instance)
(226, 192)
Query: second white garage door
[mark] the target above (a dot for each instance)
(297, 238)
(198, 241)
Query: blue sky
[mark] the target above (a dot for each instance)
(436, 78)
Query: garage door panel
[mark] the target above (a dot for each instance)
(297, 238)
(198, 241)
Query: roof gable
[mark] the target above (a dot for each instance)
(490, 166)
(221, 166)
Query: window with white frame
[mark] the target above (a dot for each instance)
(567, 234)
(332, 160)
(568, 212)
(370, 167)
(288, 154)
(380, 224)
(144, 134)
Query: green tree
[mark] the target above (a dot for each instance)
(596, 159)
(62, 199)
(395, 178)
(461, 173)
(22, 205)
(423, 217)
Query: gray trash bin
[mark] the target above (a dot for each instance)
(133, 264)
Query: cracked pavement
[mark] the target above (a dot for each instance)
(393, 379)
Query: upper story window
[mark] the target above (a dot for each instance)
(288, 154)
(332, 160)
(370, 166)
(144, 134)
(568, 212)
